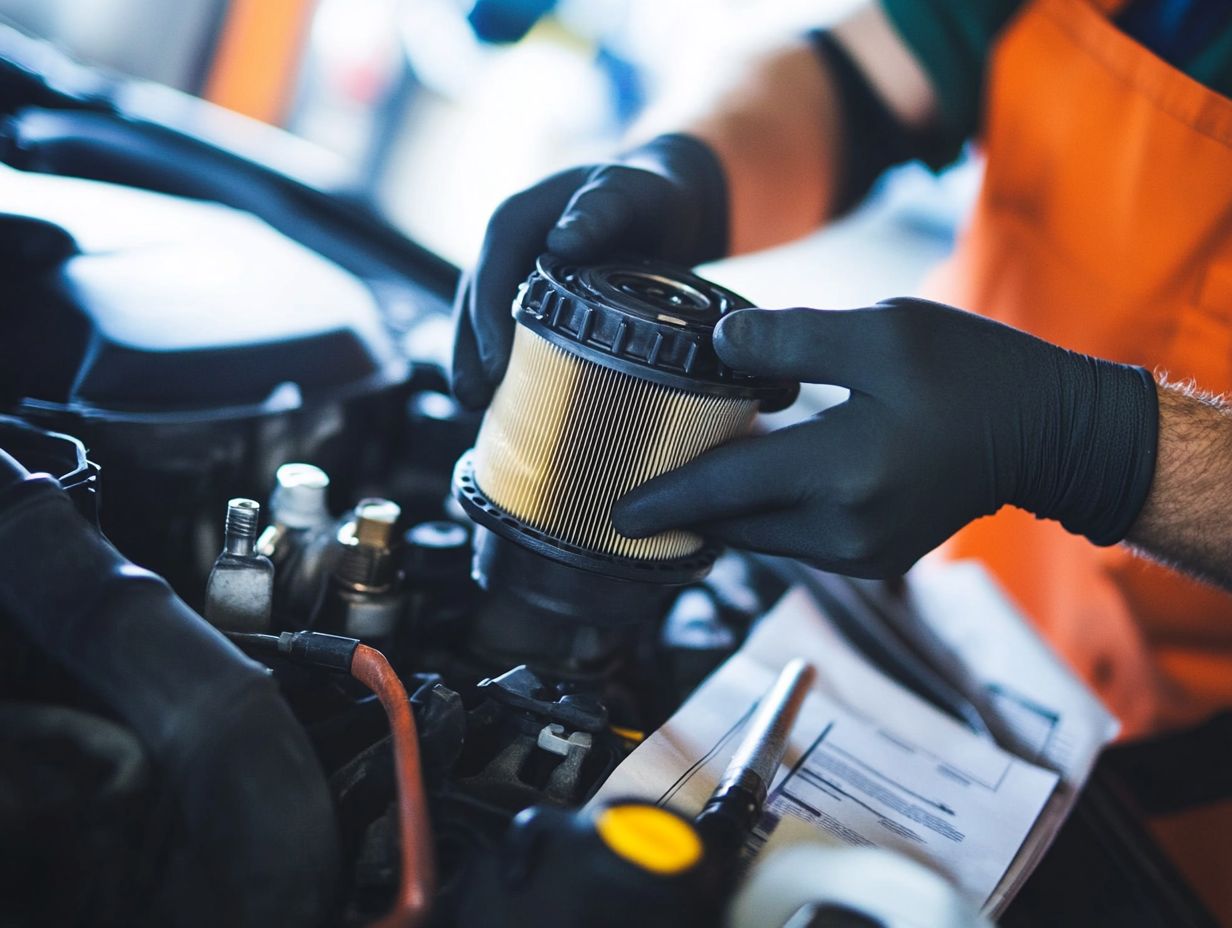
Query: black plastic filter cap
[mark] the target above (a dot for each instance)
(646, 318)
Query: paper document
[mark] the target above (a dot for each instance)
(869, 762)
(1035, 704)
(1045, 713)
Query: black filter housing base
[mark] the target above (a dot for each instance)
(557, 590)
(559, 619)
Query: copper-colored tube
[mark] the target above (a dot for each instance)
(418, 881)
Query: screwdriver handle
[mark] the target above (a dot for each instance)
(736, 803)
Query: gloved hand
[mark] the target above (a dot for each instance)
(950, 416)
(666, 199)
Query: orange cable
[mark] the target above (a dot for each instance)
(415, 890)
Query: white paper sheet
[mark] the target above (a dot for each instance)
(869, 762)
(1045, 713)
(1036, 705)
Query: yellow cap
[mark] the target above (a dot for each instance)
(649, 837)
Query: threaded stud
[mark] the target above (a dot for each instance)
(240, 529)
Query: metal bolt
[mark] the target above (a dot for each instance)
(298, 500)
(240, 530)
(374, 522)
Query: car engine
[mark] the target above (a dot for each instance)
(223, 395)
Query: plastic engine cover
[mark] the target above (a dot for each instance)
(124, 300)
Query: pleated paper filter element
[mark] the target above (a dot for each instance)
(612, 380)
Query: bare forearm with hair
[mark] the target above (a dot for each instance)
(1186, 521)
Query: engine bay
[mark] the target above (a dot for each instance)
(164, 352)
(364, 544)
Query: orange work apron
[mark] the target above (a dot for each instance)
(1105, 225)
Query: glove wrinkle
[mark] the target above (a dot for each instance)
(1092, 468)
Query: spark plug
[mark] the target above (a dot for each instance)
(366, 599)
(299, 541)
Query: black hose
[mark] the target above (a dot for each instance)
(11, 473)
(258, 824)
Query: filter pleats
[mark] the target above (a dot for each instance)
(565, 438)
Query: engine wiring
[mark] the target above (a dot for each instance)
(369, 666)
(417, 883)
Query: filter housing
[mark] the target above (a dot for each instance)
(613, 379)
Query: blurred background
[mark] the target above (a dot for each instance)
(438, 109)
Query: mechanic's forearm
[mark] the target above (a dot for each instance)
(1187, 518)
(777, 127)
(778, 133)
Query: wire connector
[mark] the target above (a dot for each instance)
(330, 652)
(314, 649)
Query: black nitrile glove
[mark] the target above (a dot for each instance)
(950, 416)
(666, 199)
